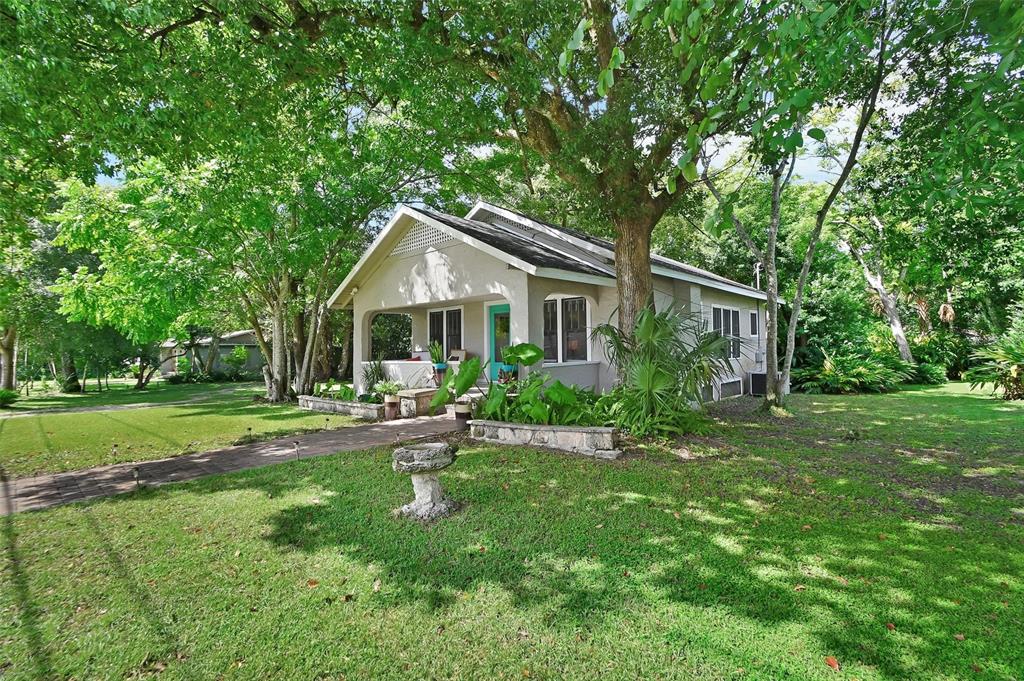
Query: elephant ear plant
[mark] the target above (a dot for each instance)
(457, 383)
(512, 356)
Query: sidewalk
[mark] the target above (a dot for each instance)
(44, 491)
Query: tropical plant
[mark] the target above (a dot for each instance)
(325, 389)
(944, 348)
(436, 353)
(1002, 365)
(345, 393)
(8, 397)
(664, 365)
(373, 373)
(457, 383)
(849, 372)
(512, 356)
(388, 388)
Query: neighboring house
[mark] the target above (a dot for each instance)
(498, 277)
(171, 349)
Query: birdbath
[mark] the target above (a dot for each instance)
(422, 462)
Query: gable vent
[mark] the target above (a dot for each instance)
(419, 238)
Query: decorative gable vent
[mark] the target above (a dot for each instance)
(419, 238)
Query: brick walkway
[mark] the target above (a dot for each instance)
(44, 491)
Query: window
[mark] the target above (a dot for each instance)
(550, 330)
(452, 331)
(755, 325)
(726, 322)
(565, 330)
(574, 329)
(445, 327)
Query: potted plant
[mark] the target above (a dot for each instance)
(389, 391)
(454, 386)
(437, 358)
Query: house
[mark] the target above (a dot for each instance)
(497, 277)
(171, 350)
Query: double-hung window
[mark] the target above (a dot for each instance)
(445, 328)
(755, 324)
(725, 321)
(565, 330)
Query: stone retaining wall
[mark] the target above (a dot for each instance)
(591, 441)
(363, 410)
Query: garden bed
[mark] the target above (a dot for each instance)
(599, 442)
(363, 410)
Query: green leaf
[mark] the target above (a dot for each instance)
(690, 172)
(670, 183)
(816, 133)
(563, 61)
(577, 36)
(617, 58)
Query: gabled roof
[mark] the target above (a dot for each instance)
(606, 249)
(534, 246)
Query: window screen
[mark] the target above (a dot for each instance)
(551, 330)
(453, 330)
(437, 327)
(574, 329)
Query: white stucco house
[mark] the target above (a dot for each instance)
(497, 277)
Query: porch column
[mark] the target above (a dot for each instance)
(360, 344)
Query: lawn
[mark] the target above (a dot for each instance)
(220, 416)
(886, 532)
(121, 392)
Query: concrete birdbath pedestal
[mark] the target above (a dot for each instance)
(422, 462)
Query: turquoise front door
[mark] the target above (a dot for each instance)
(501, 334)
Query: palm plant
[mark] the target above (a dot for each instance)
(1002, 365)
(665, 362)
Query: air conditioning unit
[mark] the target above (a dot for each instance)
(758, 383)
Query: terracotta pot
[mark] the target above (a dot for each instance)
(390, 407)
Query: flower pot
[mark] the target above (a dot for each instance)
(507, 373)
(390, 407)
(439, 371)
(463, 411)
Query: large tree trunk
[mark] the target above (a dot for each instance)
(69, 374)
(345, 368)
(633, 269)
(279, 345)
(212, 353)
(8, 358)
(889, 304)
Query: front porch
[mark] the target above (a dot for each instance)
(482, 328)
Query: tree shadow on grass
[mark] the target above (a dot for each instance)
(587, 543)
(580, 540)
(28, 611)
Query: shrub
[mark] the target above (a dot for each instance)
(183, 365)
(373, 373)
(237, 358)
(8, 397)
(384, 388)
(178, 379)
(846, 373)
(943, 348)
(929, 374)
(1002, 365)
(666, 361)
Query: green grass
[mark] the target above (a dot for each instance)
(778, 543)
(42, 443)
(121, 392)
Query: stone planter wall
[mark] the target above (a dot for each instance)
(363, 410)
(591, 441)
